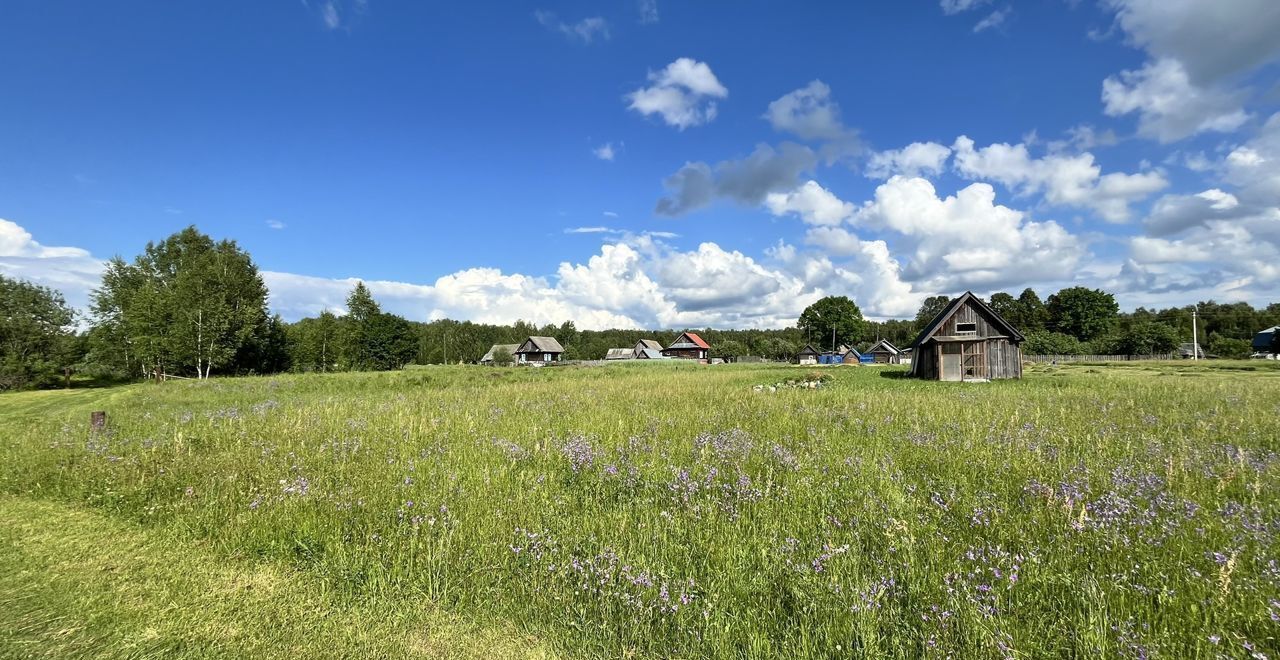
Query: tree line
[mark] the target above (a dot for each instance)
(190, 307)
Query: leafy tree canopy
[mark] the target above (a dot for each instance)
(36, 341)
(1081, 312)
(833, 313)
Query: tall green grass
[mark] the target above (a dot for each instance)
(672, 510)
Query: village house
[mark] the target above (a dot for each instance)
(884, 352)
(620, 354)
(488, 357)
(688, 346)
(807, 355)
(650, 354)
(851, 356)
(539, 350)
(646, 345)
(967, 341)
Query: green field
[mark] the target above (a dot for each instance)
(663, 510)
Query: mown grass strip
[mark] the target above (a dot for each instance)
(79, 584)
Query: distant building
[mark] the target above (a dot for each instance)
(488, 357)
(620, 354)
(967, 341)
(539, 350)
(884, 352)
(851, 356)
(688, 346)
(1263, 341)
(646, 344)
(1186, 350)
(807, 355)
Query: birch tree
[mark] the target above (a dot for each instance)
(186, 304)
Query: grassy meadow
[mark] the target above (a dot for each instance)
(648, 510)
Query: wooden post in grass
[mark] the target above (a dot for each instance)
(98, 420)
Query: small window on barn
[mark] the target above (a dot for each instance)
(966, 328)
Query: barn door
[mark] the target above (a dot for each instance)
(975, 361)
(952, 361)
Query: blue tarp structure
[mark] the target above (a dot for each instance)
(867, 359)
(1262, 340)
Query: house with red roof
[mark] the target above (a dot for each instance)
(688, 346)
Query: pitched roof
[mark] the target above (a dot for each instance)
(540, 345)
(488, 357)
(619, 354)
(884, 345)
(652, 354)
(649, 343)
(808, 350)
(954, 305)
(693, 341)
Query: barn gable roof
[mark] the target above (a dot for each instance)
(954, 306)
(540, 345)
(808, 350)
(620, 354)
(884, 345)
(649, 343)
(488, 357)
(689, 340)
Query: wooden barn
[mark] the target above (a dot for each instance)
(807, 355)
(967, 341)
(851, 356)
(539, 350)
(510, 348)
(688, 346)
(620, 354)
(884, 352)
(646, 345)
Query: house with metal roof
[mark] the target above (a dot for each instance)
(650, 354)
(539, 350)
(967, 341)
(488, 357)
(620, 354)
(688, 346)
(646, 344)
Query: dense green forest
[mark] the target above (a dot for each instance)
(190, 307)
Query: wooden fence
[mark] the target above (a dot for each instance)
(1096, 358)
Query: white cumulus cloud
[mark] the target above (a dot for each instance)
(1064, 179)
(1169, 106)
(915, 159)
(682, 94)
(813, 203)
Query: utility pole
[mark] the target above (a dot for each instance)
(833, 339)
(1195, 337)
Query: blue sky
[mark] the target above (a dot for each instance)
(651, 163)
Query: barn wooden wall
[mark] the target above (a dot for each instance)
(1004, 358)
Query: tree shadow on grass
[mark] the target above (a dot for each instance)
(895, 374)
